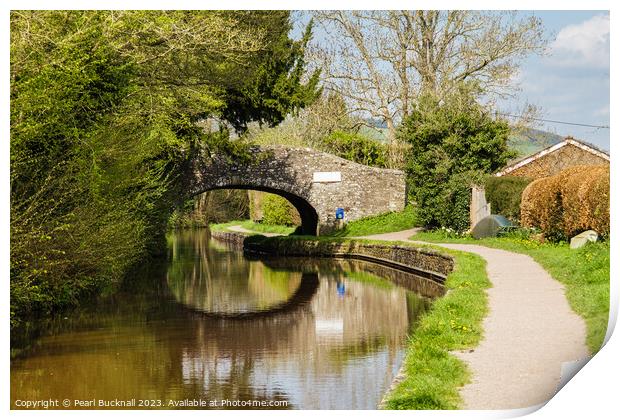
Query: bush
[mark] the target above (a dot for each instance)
(357, 148)
(504, 195)
(585, 199)
(453, 203)
(563, 205)
(279, 211)
(454, 140)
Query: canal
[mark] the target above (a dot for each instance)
(210, 324)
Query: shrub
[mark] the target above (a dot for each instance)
(570, 202)
(357, 148)
(504, 195)
(541, 207)
(585, 199)
(279, 211)
(453, 140)
(454, 200)
(446, 204)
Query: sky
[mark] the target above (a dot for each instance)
(571, 82)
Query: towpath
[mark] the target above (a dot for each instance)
(532, 338)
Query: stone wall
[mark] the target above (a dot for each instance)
(421, 261)
(231, 238)
(296, 174)
(419, 284)
(428, 263)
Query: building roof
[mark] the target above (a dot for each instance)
(567, 141)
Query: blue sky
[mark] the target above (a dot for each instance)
(571, 82)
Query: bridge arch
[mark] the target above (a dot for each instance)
(315, 183)
(307, 213)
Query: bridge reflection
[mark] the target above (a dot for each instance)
(316, 334)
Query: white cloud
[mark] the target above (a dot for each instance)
(584, 44)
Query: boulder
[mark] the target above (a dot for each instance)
(491, 226)
(583, 238)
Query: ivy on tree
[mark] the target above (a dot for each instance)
(453, 142)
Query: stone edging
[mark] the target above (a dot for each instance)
(232, 238)
(420, 261)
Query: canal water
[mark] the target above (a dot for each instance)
(210, 326)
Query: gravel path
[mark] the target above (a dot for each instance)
(533, 341)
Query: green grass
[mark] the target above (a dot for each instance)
(383, 223)
(433, 375)
(584, 272)
(253, 226)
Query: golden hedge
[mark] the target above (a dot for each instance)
(569, 202)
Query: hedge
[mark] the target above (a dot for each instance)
(563, 205)
(504, 195)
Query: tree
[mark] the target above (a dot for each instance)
(310, 127)
(105, 112)
(454, 141)
(276, 87)
(383, 61)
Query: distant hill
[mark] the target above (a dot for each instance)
(531, 140)
(376, 133)
(525, 141)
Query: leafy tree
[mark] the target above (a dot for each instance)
(278, 210)
(326, 126)
(357, 148)
(276, 86)
(453, 142)
(105, 113)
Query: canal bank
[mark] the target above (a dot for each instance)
(521, 362)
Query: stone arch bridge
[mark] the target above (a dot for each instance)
(316, 183)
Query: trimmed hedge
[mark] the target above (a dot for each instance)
(563, 205)
(504, 195)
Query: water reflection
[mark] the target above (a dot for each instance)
(214, 280)
(217, 326)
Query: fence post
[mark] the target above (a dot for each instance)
(478, 208)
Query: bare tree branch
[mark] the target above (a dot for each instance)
(381, 61)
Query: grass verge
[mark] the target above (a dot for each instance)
(388, 222)
(253, 226)
(433, 375)
(583, 271)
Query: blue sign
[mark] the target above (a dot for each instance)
(340, 288)
(340, 213)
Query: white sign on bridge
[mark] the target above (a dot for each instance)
(326, 177)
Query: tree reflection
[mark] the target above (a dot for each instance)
(302, 340)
